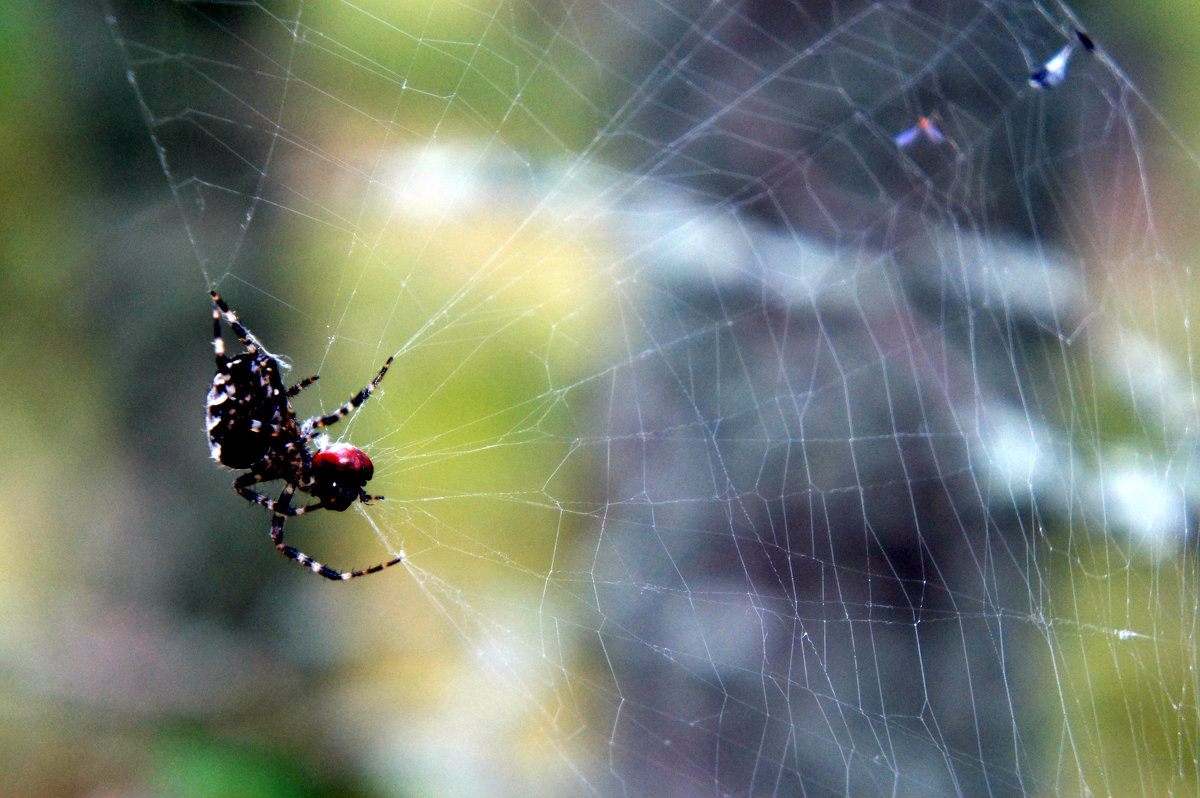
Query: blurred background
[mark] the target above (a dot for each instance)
(489, 206)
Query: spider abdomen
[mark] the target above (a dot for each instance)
(247, 411)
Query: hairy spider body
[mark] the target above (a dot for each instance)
(248, 411)
(252, 426)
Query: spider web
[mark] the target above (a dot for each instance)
(747, 447)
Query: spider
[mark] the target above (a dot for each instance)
(251, 425)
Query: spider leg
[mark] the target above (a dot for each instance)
(341, 412)
(242, 486)
(218, 341)
(282, 505)
(300, 386)
(245, 336)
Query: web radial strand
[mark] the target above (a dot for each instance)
(789, 398)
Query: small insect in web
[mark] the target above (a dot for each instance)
(927, 128)
(1054, 71)
(251, 425)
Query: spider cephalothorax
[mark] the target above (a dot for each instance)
(251, 425)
